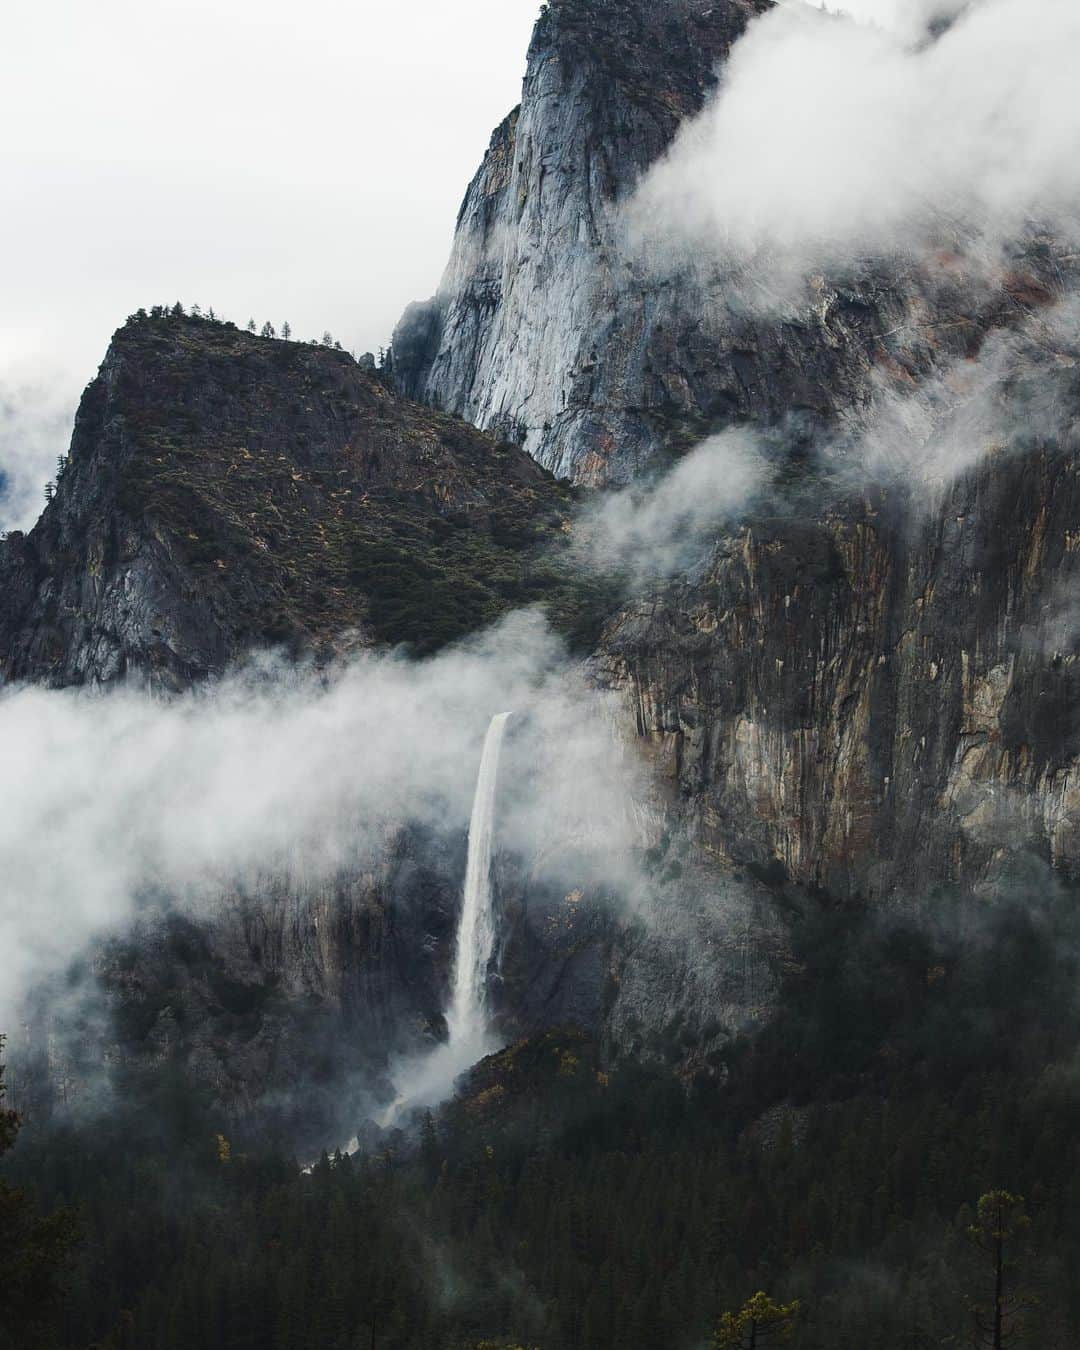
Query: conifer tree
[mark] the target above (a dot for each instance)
(759, 1322)
(1000, 1220)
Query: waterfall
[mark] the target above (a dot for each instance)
(469, 1038)
(466, 1018)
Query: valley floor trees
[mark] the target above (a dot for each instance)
(33, 1253)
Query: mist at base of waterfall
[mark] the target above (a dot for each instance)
(429, 1079)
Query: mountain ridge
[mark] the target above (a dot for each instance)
(226, 492)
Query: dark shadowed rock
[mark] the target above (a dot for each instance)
(226, 492)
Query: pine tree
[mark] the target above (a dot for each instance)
(286, 331)
(1000, 1219)
(757, 1323)
(267, 330)
(251, 325)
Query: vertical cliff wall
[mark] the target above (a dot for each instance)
(883, 697)
(540, 327)
(554, 327)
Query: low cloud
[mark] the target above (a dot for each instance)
(36, 413)
(911, 19)
(109, 799)
(656, 529)
(1020, 393)
(831, 139)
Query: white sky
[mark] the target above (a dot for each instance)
(273, 158)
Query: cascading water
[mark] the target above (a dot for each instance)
(466, 1019)
(469, 1035)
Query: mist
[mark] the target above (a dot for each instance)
(833, 138)
(655, 529)
(110, 798)
(36, 412)
(1017, 394)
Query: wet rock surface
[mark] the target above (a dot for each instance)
(880, 699)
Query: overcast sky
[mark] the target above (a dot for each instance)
(275, 160)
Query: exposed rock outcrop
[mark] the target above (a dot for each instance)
(225, 492)
(883, 698)
(869, 691)
(551, 326)
(865, 690)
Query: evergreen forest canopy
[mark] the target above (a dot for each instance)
(861, 1174)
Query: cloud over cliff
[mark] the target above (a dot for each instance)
(653, 529)
(109, 802)
(831, 138)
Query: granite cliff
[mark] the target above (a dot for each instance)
(228, 494)
(554, 326)
(225, 492)
(865, 690)
(872, 689)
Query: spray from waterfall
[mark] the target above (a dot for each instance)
(469, 1035)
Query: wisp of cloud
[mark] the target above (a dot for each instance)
(831, 139)
(109, 798)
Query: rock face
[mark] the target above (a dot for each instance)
(869, 692)
(552, 328)
(881, 699)
(874, 690)
(281, 1004)
(225, 492)
(540, 327)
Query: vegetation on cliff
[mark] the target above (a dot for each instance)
(277, 493)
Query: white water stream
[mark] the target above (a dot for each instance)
(466, 1019)
(469, 1036)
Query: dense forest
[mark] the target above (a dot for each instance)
(835, 1166)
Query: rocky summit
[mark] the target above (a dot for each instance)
(226, 492)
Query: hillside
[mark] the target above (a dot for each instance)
(225, 492)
